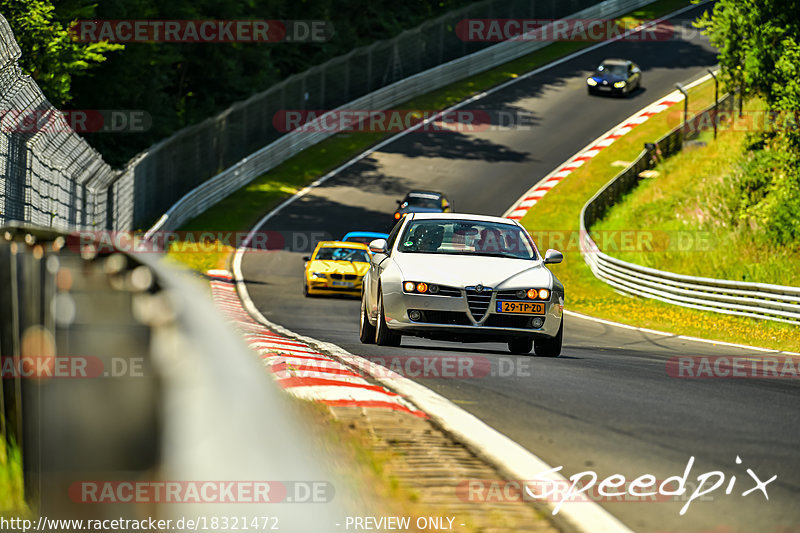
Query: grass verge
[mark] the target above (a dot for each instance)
(244, 207)
(560, 210)
(679, 203)
(12, 495)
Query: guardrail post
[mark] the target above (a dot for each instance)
(685, 108)
(716, 100)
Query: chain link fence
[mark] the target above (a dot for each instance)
(53, 178)
(47, 171)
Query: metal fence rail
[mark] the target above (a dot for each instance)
(154, 386)
(47, 174)
(454, 65)
(757, 300)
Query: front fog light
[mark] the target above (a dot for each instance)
(414, 315)
(433, 289)
(521, 294)
(537, 322)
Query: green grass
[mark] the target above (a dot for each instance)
(12, 495)
(679, 204)
(560, 209)
(244, 207)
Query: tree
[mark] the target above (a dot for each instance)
(49, 54)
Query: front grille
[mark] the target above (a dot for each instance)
(508, 321)
(478, 302)
(344, 276)
(444, 317)
(510, 295)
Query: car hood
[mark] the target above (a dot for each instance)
(339, 267)
(466, 270)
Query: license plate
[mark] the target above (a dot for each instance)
(342, 283)
(604, 88)
(527, 308)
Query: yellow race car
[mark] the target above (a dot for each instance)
(336, 267)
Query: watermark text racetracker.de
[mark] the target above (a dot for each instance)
(207, 241)
(396, 120)
(725, 367)
(422, 366)
(200, 491)
(77, 120)
(41, 367)
(201, 31)
(582, 30)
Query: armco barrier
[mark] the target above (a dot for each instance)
(757, 300)
(117, 369)
(215, 189)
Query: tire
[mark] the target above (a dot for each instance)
(550, 347)
(383, 335)
(520, 345)
(305, 290)
(366, 331)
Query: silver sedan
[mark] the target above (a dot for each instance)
(467, 278)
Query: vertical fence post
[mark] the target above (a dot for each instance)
(685, 108)
(716, 100)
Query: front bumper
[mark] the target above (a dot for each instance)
(451, 316)
(326, 286)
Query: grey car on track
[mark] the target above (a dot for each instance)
(468, 278)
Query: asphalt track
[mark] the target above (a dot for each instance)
(607, 405)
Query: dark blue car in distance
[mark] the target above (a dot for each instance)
(422, 202)
(615, 76)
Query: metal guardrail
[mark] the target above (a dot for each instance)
(215, 189)
(757, 300)
(154, 386)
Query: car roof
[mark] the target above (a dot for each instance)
(375, 234)
(462, 216)
(614, 62)
(424, 193)
(342, 244)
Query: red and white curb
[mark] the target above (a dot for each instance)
(535, 193)
(298, 368)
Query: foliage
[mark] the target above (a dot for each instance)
(759, 51)
(180, 84)
(49, 55)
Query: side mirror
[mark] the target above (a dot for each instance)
(553, 256)
(306, 258)
(378, 246)
(399, 202)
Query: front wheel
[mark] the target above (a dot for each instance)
(550, 347)
(383, 335)
(366, 331)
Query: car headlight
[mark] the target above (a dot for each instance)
(537, 294)
(591, 82)
(619, 84)
(318, 275)
(419, 287)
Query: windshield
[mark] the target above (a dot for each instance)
(428, 201)
(614, 70)
(466, 237)
(342, 254)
